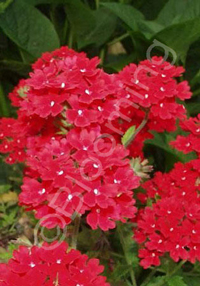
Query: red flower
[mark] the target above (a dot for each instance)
(51, 264)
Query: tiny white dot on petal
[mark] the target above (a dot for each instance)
(32, 264)
(70, 197)
(41, 192)
(96, 191)
(80, 112)
(52, 103)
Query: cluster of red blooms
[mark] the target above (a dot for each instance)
(67, 94)
(70, 120)
(67, 90)
(48, 265)
(85, 172)
(191, 141)
(172, 223)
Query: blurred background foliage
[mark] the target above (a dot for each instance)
(119, 32)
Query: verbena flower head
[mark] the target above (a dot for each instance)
(47, 265)
(70, 120)
(171, 225)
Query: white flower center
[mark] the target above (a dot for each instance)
(96, 191)
(41, 192)
(70, 197)
(32, 264)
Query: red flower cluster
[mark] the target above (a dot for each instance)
(79, 173)
(48, 265)
(66, 89)
(171, 224)
(70, 120)
(191, 141)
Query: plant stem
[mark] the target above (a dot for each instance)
(64, 32)
(3, 103)
(140, 127)
(70, 40)
(165, 278)
(121, 237)
(77, 221)
(102, 55)
(148, 278)
(118, 39)
(97, 4)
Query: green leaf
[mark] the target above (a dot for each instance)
(29, 28)
(4, 5)
(162, 141)
(178, 11)
(179, 37)
(15, 66)
(4, 188)
(127, 136)
(191, 281)
(151, 8)
(134, 18)
(39, 2)
(6, 254)
(100, 33)
(157, 281)
(81, 18)
(119, 61)
(193, 107)
(150, 28)
(176, 280)
(128, 14)
(192, 64)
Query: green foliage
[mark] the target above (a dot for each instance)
(29, 28)
(128, 135)
(128, 14)
(176, 280)
(6, 254)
